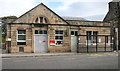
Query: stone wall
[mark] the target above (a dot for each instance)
(40, 11)
(27, 22)
(66, 37)
(29, 47)
(12, 33)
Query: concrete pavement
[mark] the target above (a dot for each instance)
(12, 55)
(33, 54)
(107, 60)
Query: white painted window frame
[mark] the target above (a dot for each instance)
(62, 40)
(18, 35)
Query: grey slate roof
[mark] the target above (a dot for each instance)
(73, 18)
(115, 0)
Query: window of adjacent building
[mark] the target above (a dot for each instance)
(89, 37)
(95, 35)
(41, 20)
(59, 37)
(21, 37)
(106, 39)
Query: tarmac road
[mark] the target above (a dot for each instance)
(80, 61)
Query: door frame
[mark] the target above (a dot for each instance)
(73, 36)
(40, 35)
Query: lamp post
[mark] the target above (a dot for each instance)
(1, 44)
(116, 30)
(0, 35)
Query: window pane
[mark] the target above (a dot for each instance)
(95, 33)
(89, 32)
(21, 32)
(36, 31)
(88, 35)
(36, 21)
(61, 37)
(40, 32)
(76, 33)
(56, 37)
(45, 20)
(21, 43)
(41, 19)
(56, 32)
(21, 37)
(72, 32)
(106, 39)
(45, 32)
(61, 32)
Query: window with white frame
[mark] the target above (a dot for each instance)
(59, 37)
(21, 37)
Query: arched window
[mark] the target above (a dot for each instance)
(41, 20)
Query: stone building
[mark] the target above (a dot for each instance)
(41, 30)
(113, 17)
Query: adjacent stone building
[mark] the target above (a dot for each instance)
(113, 17)
(40, 30)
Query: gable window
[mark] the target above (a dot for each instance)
(45, 20)
(89, 33)
(59, 37)
(36, 20)
(41, 20)
(21, 37)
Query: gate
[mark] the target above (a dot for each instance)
(95, 43)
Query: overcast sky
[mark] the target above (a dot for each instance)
(89, 9)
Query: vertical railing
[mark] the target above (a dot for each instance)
(87, 44)
(96, 43)
(105, 44)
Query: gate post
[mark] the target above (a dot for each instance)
(105, 42)
(87, 43)
(78, 43)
